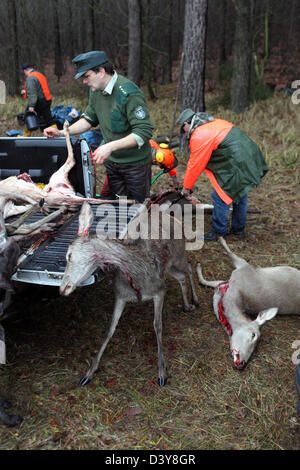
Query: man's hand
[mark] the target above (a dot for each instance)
(186, 192)
(175, 182)
(52, 132)
(102, 153)
(31, 109)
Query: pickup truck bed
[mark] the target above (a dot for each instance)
(46, 264)
(45, 261)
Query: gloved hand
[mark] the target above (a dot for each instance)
(186, 192)
(175, 182)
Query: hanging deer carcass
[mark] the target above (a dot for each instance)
(140, 270)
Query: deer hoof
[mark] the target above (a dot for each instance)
(12, 420)
(189, 308)
(162, 382)
(5, 404)
(84, 381)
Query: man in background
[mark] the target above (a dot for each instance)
(37, 94)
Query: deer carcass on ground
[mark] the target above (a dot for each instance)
(256, 291)
(140, 270)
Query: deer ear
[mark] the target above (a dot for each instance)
(266, 315)
(85, 220)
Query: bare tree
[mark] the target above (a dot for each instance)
(14, 80)
(59, 65)
(194, 46)
(167, 68)
(147, 59)
(240, 84)
(91, 30)
(134, 41)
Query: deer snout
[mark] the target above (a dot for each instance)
(240, 365)
(66, 288)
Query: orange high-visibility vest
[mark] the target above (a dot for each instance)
(204, 140)
(43, 82)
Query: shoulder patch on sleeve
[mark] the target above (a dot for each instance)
(139, 113)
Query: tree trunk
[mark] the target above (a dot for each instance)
(194, 47)
(59, 66)
(146, 49)
(134, 41)
(91, 39)
(167, 62)
(240, 85)
(223, 19)
(14, 81)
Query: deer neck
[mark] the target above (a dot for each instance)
(230, 318)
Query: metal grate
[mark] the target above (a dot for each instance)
(47, 264)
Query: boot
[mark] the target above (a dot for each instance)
(27, 133)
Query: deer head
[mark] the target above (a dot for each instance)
(80, 255)
(245, 337)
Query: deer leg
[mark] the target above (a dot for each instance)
(158, 301)
(181, 278)
(118, 310)
(11, 228)
(29, 228)
(195, 298)
(70, 162)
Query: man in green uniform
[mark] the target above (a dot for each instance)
(119, 107)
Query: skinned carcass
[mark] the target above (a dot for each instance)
(59, 189)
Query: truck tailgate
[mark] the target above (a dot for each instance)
(46, 264)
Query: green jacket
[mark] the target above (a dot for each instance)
(34, 91)
(120, 114)
(237, 164)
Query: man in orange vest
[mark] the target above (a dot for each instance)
(37, 94)
(233, 163)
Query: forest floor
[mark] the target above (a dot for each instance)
(206, 403)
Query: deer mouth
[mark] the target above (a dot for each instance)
(240, 365)
(67, 289)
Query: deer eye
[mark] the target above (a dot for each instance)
(69, 256)
(253, 336)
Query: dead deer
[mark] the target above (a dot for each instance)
(140, 271)
(258, 291)
(57, 192)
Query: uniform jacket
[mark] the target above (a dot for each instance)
(120, 114)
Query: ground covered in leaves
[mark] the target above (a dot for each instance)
(206, 403)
